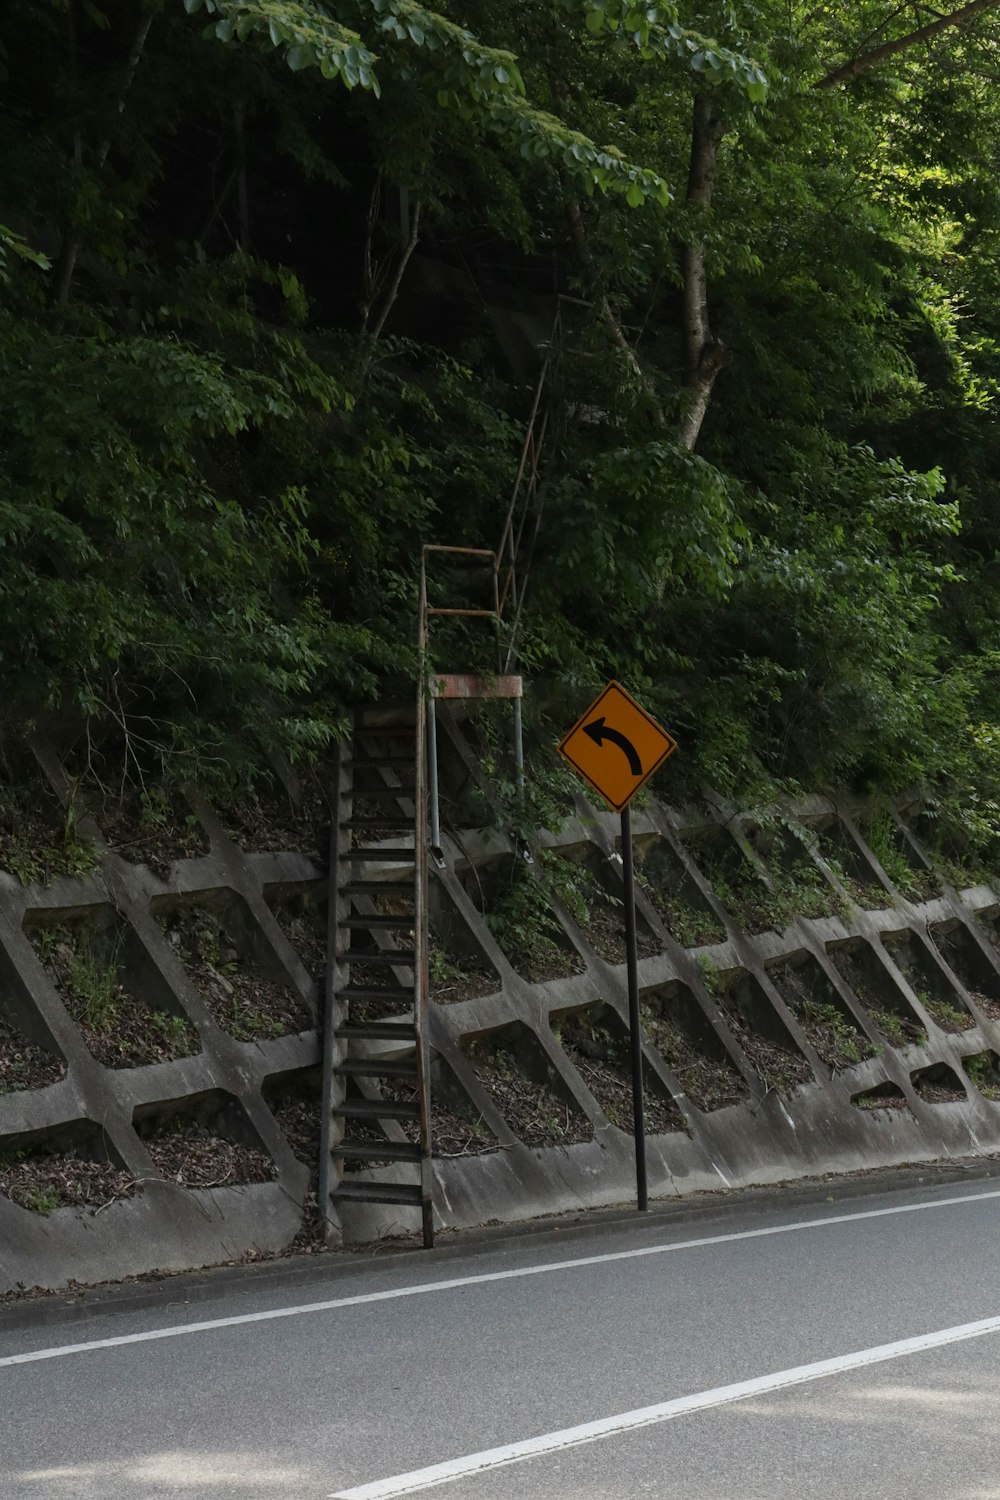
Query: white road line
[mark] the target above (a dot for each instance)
(546, 1268)
(648, 1416)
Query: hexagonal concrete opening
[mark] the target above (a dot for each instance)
(875, 989)
(459, 967)
(30, 1058)
(799, 886)
(983, 1068)
(300, 910)
(692, 1049)
(820, 1010)
(290, 812)
(596, 1041)
(761, 1033)
(884, 1096)
(37, 844)
(126, 1011)
(294, 1099)
(589, 887)
(928, 980)
(230, 961)
(742, 886)
(950, 852)
(898, 857)
(71, 1165)
(969, 963)
(674, 895)
(514, 1069)
(204, 1140)
(938, 1084)
(840, 850)
(514, 899)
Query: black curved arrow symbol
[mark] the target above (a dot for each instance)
(598, 731)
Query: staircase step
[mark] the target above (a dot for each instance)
(376, 1031)
(373, 1067)
(398, 856)
(377, 888)
(377, 1151)
(403, 993)
(380, 1192)
(375, 761)
(379, 924)
(398, 956)
(396, 824)
(380, 791)
(376, 1109)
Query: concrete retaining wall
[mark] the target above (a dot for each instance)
(888, 955)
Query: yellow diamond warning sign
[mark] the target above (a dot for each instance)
(616, 746)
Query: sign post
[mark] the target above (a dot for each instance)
(616, 746)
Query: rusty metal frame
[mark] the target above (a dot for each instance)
(421, 959)
(330, 1129)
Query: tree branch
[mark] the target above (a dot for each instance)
(866, 60)
(404, 260)
(579, 237)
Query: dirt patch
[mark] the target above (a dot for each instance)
(708, 1083)
(303, 921)
(599, 915)
(299, 1122)
(985, 1003)
(603, 1060)
(899, 1027)
(191, 1155)
(547, 963)
(23, 1065)
(836, 1038)
(534, 1111)
(120, 1030)
(776, 1067)
(687, 925)
(268, 821)
(953, 1018)
(45, 1182)
(454, 979)
(38, 841)
(936, 1093)
(519, 914)
(245, 1001)
(885, 1096)
(152, 828)
(835, 1041)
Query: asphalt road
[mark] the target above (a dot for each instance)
(615, 1360)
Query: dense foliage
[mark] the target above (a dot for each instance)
(275, 281)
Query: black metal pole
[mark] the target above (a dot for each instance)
(632, 961)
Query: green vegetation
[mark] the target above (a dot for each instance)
(948, 1016)
(897, 1030)
(521, 918)
(710, 976)
(846, 1044)
(274, 277)
(983, 1070)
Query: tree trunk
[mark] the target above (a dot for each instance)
(71, 244)
(704, 355)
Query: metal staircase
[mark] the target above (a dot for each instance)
(385, 826)
(376, 1086)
